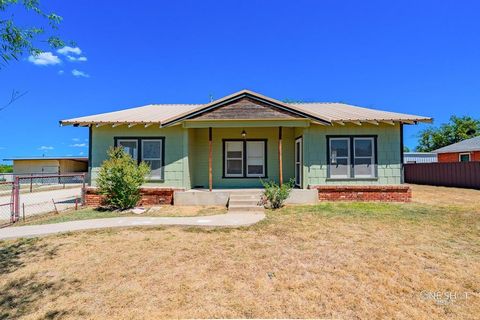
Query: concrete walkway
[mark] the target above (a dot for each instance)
(222, 220)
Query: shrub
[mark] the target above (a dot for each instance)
(275, 194)
(120, 178)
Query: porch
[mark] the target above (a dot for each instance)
(237, 155)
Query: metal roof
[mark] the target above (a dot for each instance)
(166, 114)
(472, 144)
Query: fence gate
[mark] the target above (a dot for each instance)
(34, 194)
(7, 203)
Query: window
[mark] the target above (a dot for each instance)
(364, 162)
(351, 157)
(152, 155)
(130, 147)
(234, 158)
(149, 150)
(255, 158)
(244, 158)
(339, 158)
(464, 157)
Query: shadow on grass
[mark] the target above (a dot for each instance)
(20, 297)
(14, 255)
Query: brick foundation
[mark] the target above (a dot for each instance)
(364, 193)
(150, 196)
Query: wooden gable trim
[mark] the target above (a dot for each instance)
(238, 97)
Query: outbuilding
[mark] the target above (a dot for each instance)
(463, 151)
(48, 165)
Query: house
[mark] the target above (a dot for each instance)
(344, 151)
(463, 151)
(48, 165)
(419, 157)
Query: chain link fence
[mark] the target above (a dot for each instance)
(29, 195)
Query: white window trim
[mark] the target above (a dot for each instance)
(233, 175)
(348, 157)
(464, 154)
(160, 159)
(372, 158)
(119, 143)
(256, 175)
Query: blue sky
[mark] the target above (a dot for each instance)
(418, 57)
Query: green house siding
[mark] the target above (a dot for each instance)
(176, 173)
(186, 153)
(388, 152)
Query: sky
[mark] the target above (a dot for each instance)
(419, 57)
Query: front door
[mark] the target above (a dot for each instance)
(298, 162)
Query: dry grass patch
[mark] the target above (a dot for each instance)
(340, 260)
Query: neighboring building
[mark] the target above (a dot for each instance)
(236, 140)
(48, 165)
(463, 151)
(419, 157)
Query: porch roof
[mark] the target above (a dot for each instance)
(170, 114)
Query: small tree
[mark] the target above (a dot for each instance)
(275, 194)
(120, 178)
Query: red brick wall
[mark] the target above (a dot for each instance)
(150, 196)
(454, 156)
(364, 193)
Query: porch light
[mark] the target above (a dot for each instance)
(244, 133)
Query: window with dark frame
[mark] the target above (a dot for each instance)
(244, 158)
(464, 157)
(352, 157)
(149, 150)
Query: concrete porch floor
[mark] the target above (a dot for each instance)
(220, 197)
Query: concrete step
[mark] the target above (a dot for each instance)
(248, 202)
(243, 208)
(244, 197)
(246, 193)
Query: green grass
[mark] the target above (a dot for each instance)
(407, 212)
(92, 213)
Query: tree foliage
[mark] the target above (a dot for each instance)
(16, 39)
(120, 178)
(456, 130)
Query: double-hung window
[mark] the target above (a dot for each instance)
(152, 155)
(244, 158)
(352, 157)
(364, 159)
(130, 146)
(234, 158)
(339, 158)
(148, 150)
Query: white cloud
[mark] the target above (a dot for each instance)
(45, 148)
(81, 153)
(78, 73)
(66, 50)
(78, 145)
(75, 139)
(44, 59)
(75, 59)
(60, 72)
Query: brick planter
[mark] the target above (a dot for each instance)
(364, 193)
(150, 196)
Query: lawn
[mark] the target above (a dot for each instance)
(332, 260)
(92, 213)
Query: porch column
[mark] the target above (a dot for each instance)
(210, 178)
(280, 160)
